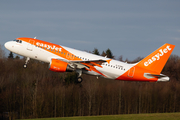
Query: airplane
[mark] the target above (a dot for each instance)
(65, 59)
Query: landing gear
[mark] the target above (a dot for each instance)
(79, 78)
(26, 62)
(24, 66)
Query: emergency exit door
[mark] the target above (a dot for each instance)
(131, 72)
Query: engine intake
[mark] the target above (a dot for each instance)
(59, 66)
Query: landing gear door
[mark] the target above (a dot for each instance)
(30, 45)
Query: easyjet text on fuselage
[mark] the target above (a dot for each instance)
(52, 47)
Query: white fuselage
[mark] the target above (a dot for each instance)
(62, 59)
(111, 71)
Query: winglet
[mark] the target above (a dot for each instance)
(156, 60)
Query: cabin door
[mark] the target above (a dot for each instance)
(30, 45)
(131, 72)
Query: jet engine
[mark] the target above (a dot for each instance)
(59, 66)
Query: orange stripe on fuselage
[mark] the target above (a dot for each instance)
(52, 48)
(137, 75)
(59, 51)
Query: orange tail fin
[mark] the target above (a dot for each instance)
(156, 60)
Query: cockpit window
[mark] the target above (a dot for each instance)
(18, 41)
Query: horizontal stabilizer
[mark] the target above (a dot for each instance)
(160, 77)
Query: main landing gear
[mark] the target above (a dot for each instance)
(26, 62)
(79, 78)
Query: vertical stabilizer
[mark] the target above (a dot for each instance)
(156, 60)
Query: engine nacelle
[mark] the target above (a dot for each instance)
(59, 66)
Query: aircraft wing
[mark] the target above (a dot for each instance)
(88, 65)
(85, 64)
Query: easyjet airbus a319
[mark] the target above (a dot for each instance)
(65, 59)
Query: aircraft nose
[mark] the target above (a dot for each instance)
(7, 45)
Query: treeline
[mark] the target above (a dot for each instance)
(36, 92)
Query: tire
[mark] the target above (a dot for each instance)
(79, 80)
(24, 66)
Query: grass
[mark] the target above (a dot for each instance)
(154, 116)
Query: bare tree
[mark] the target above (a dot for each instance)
(2, 53)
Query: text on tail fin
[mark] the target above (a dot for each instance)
(158, 55)
(156, 60)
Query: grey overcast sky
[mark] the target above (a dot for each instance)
(131, 28)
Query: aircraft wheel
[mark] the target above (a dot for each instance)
(79, 80)
(24, 66)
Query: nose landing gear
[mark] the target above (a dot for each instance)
(26, 62)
